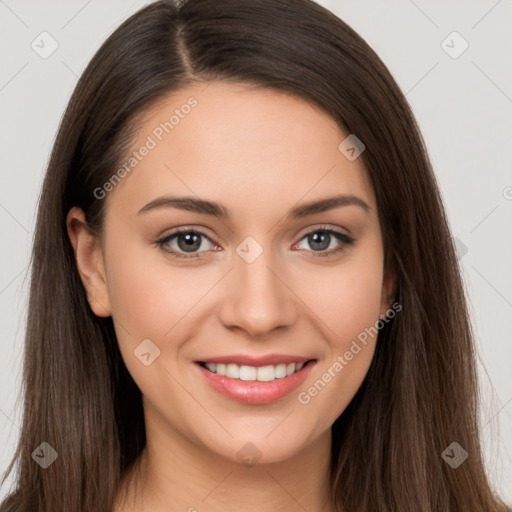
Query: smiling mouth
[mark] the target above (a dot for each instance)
(267, 373)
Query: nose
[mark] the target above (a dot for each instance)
(257, 298)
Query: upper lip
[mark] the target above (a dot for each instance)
(248, 360)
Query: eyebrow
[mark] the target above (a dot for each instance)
(196, 205)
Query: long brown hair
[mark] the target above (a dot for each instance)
(420, 393)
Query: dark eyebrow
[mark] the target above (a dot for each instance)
(193, 204)
(328, 204)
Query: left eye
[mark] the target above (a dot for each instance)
(322, 239)
(191, 241)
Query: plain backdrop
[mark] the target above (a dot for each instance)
(463, 104)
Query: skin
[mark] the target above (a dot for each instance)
(259, 153)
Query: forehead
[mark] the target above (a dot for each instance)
(251, 148)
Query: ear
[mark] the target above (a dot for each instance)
(389, 289)
(89, 261)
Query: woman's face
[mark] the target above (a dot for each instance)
(262, 286)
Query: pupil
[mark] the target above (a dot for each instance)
(320, 238)
(191, 241)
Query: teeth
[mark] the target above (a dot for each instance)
(233, 371)
(248, 373)
(280, 371)
(260, 373)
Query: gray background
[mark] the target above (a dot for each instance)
(463, 106)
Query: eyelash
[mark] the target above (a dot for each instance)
(341, 237)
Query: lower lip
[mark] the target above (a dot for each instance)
(256, 392)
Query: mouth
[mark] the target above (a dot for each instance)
(255, 384)
(267, 373)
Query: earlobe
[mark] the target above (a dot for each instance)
(89, 261)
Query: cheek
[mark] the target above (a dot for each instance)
(149, 294)
(355, 304)
(347, 297)
(150, 299)
(348, 304)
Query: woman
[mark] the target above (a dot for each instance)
(244, 290)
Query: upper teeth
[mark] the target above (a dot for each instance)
(261, 373)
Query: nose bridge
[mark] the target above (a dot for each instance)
(257, 300)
